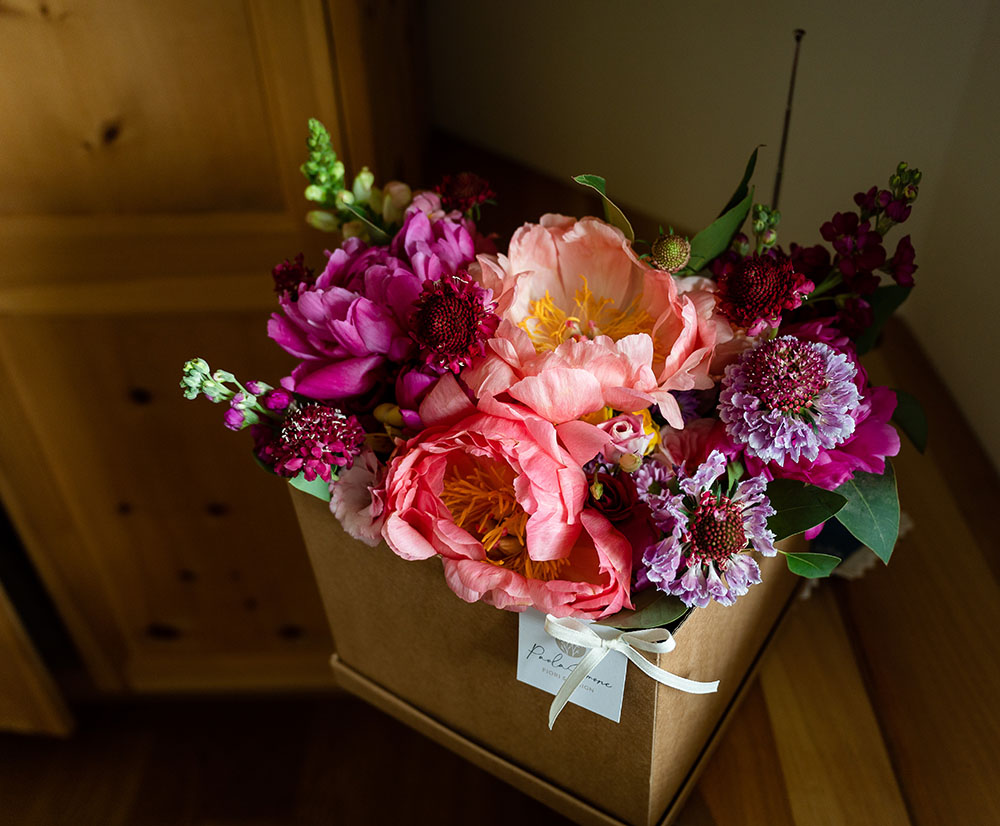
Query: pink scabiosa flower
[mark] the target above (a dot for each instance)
(312, 441)
(787, 399)
(703, 556)
(501, 497)
(754, 294)
(454, 319)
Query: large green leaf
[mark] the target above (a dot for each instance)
(812, 566)
(612, 214)
(317, 487)
(653, 609)
(714, 239)
(911, 419)
(799, 506)
(872, 510)
(884, 302)
(744, 187)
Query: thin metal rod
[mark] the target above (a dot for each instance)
(799, 33)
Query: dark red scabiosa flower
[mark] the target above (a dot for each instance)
(753, 294)
(313, 439)
(859, 250)
(453, 320)
(901, 265)
(464, 191)
(290, 276)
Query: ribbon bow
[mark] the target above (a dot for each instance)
(600, 640)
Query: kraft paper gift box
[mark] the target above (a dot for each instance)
(409, 646)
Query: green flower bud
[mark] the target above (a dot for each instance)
(363, 182)
(769, 237)
(321, 220)
(671, 253)
(315, 193)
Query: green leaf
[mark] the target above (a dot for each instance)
(911, 419)
(872, 510)
(743, 188)
(378, 235)
(884, 302)
(653, 609)
(799, 506)
(612, 214)
(714, 239)
(317, 487)
(812, 566)
(734, 472)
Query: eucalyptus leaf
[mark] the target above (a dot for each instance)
(653, 609)
(812, 566)
(317, 487)
(714, 239)
(884, 302)
(799, 506)
(912, 420)
(872, 510)
(612, 214)
(743, 188)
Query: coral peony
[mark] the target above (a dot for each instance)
(499, 494)
(565, 280)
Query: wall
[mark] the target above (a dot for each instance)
(667, 100)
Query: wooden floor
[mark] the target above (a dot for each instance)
(878, 703)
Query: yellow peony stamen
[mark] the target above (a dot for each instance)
(591, 316)
(482, 502)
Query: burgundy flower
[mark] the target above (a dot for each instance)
(454, 319)
(813, 262)
(901, 265)
(313, 439)
(855, 317)
(898, 210)
(872, 201)
(464, 191)
(618, 499)
(859, 248)
(754, 294)
(290, 277)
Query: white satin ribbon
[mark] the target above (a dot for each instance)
(652, 640)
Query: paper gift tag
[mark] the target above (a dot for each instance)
(545, 663)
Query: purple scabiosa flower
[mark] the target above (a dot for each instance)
(312, 441)
(787, 398)
(703, 556)
(454, 319)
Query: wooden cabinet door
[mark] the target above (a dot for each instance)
(149, 180)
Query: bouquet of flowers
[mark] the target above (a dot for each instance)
(584, 423)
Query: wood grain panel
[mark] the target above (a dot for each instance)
(189, 548)
(29, 700)
(132, 107)
(831, 751)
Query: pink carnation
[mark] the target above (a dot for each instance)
(565, 280)
(529, 539)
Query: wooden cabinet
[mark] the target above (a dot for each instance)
(149, 156)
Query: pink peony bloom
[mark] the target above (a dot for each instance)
(577, 378)
(565, 280)
(499, 494)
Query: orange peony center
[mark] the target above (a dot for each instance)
(481, 500)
